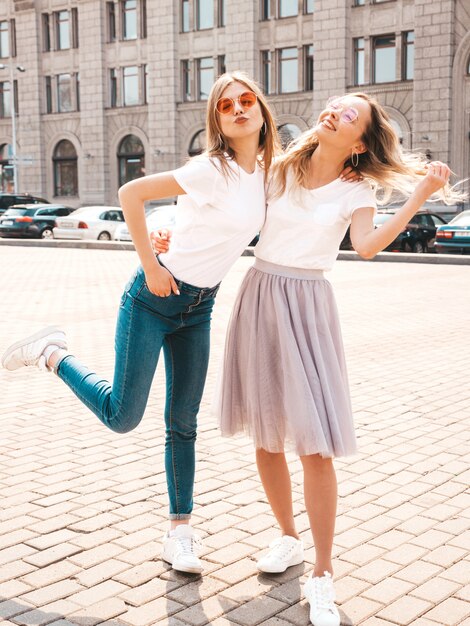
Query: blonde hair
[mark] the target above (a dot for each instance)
(388, 167)
(217, 145)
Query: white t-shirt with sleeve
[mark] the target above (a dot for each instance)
(305, 229)
(215, 220)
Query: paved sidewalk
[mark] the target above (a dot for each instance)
(83, 509)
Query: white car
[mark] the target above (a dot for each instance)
(159, 217)
(90, 222)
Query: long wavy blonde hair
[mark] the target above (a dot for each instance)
(389, 168)
(217, 144)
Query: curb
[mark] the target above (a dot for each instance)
(345, 255)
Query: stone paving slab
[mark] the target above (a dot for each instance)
(83, 509)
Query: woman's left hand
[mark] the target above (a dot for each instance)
(160, 240)
(436, 177)
(350, 175)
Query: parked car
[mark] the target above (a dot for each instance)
(417, 236)
(454, 236)
(9, 199)
(90, 222)
(31, 220)
(159, 217)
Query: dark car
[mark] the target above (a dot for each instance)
(31, 220)
(454, 236)
(417, 236)
(9, 199)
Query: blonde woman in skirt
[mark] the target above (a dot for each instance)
(284, 376)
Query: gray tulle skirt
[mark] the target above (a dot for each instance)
(284, 380)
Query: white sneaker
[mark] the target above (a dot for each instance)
(180, 547)
(320, 593)
(285, 551)
(30, 351)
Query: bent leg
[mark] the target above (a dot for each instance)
(138, 342)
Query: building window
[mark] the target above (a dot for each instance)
(398, 130)
(359, 3)
(12, 38)
(308, 65)
(145, 83)
(468, 67)
(266, 71)
(131, 86)
(222, 8)
(309, 6)
(205, 77)
(143, 19)
(77, 91)
(384, 59)
(265, 9)
(221, 69)
(186, 80)
(408, 55)
(198, 143)
(131, 159)
(74, 28)
(64, 93)
(4, 40)
(48, 94)
(288, 70)
(287, 133)
(185, 26)
(113, 88)
(62, 23)
(65, 169)
(129, 19)
(204, 14)
(6, 168)
(288, 8)
(359, 61)
(46, 33)
(5, 99)
(111, 13)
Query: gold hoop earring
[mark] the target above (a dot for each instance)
(356, 155)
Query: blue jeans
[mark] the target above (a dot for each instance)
(146, 323)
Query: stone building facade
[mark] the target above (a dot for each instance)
(112, 90)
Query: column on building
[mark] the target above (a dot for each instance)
(94, 170)
(30, 138)
(432, 102)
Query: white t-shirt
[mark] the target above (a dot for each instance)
(215, 220)
(306, 230)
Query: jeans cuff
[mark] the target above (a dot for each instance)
(57, 365)
(180, 516)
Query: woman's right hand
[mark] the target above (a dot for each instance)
(160, 282)
(160, 240)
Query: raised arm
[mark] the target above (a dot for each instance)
(132, 196)
(368, 241)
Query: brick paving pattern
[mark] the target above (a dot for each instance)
(83, 509)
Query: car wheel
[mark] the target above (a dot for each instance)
(104, 236)
(418, 247)
(47, 234)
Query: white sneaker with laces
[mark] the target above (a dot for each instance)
(285, 551)
(320, 593)
(180, 547)
(30, 351)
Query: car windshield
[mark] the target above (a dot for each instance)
(461, 220)
(381, 218)
(13, 212)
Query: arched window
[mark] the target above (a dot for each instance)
(131, 159)
(468, 67)
(198, 143)
(287, 133)
(64, 160)
(6, 168)
(398, 129)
